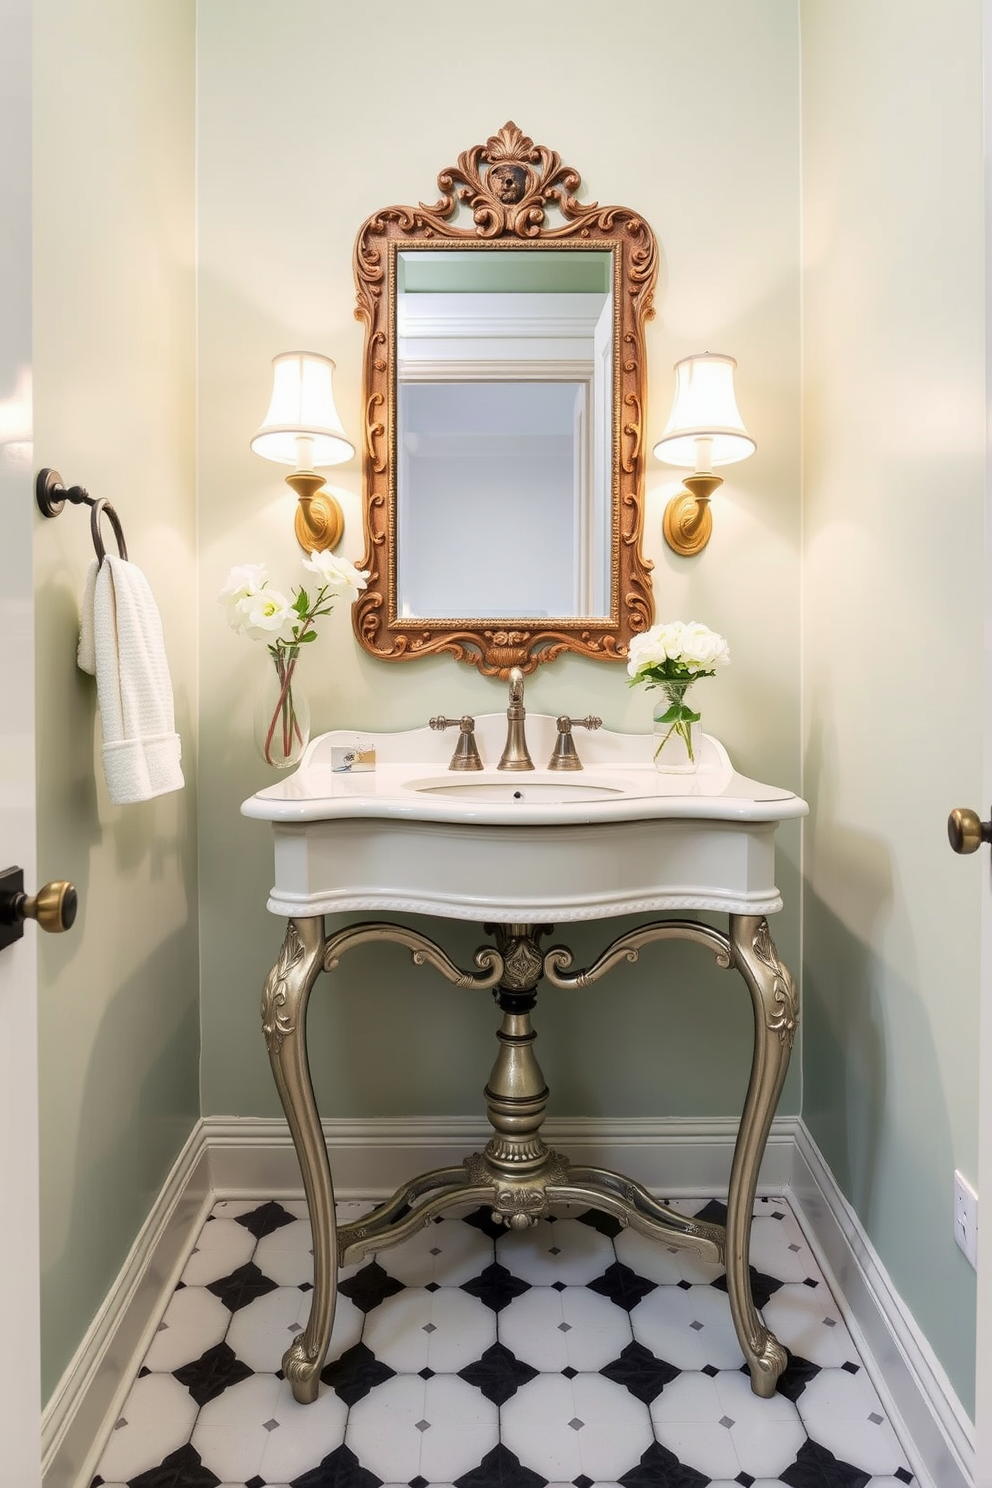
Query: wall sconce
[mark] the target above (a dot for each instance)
(704, 429)
(302, 428)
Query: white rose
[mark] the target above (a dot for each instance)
(692, 646)
(336, 573)
(661, 643)
(672, 636)
(703, 648)
(646, 650)
(265, 613)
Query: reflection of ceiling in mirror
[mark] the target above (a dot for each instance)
(511, 306)
(479, 272)
(498, 317)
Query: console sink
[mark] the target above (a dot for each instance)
(537, 846)
(521, 852)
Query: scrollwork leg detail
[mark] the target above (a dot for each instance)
(284, 1008)
(627, 947)
(776, 1013)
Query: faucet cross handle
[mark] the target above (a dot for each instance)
(564, 755)
(466, 755)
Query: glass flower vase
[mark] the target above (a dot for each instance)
(677, 735)
(282, 713)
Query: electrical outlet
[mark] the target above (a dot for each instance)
(966, 1218)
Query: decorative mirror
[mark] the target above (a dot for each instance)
(504, 406)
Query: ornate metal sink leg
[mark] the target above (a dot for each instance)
(776, 1014)
(751, 951)
(284, 1009)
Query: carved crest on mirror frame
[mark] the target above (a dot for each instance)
(510, 187)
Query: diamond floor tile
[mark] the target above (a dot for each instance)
(498, 1374)
(574, 1354)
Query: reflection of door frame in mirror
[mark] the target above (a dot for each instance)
(508, 216)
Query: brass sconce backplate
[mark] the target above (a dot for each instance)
(688, 521)
(319, 521)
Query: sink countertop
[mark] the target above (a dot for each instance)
(411, 781)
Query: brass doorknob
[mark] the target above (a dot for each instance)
(54, 906)
(966, 832)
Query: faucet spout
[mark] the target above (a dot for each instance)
(515, 753)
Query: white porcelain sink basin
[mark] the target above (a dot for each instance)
(521, 789)
(530, 846)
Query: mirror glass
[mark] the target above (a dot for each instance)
(503, 392)
(504, 370)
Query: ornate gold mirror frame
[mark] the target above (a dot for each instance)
(508, 183)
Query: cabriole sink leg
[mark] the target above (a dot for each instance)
(775, 1005)
(284, 1011)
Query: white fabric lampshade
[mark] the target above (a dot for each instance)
(705, 408)
(302, 409)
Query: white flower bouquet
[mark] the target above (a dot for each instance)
(285, 623)
(673, 656)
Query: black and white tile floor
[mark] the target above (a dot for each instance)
(574, 1353)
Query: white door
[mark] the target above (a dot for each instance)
(20, 1430)
(983, 1383)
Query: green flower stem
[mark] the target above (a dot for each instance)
(679, 716)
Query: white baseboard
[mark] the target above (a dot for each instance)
(89, 1396)
(914, 1387)
(230, 1157)
(372, 1158)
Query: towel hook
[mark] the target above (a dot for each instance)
(52, 495)
(103, 508)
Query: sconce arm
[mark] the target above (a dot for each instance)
(319, 518)
(688, 521)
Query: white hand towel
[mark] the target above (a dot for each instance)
(120, 640)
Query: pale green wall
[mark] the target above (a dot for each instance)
(300, 137)
(114, 397)
(298, 141)
(894, 579)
